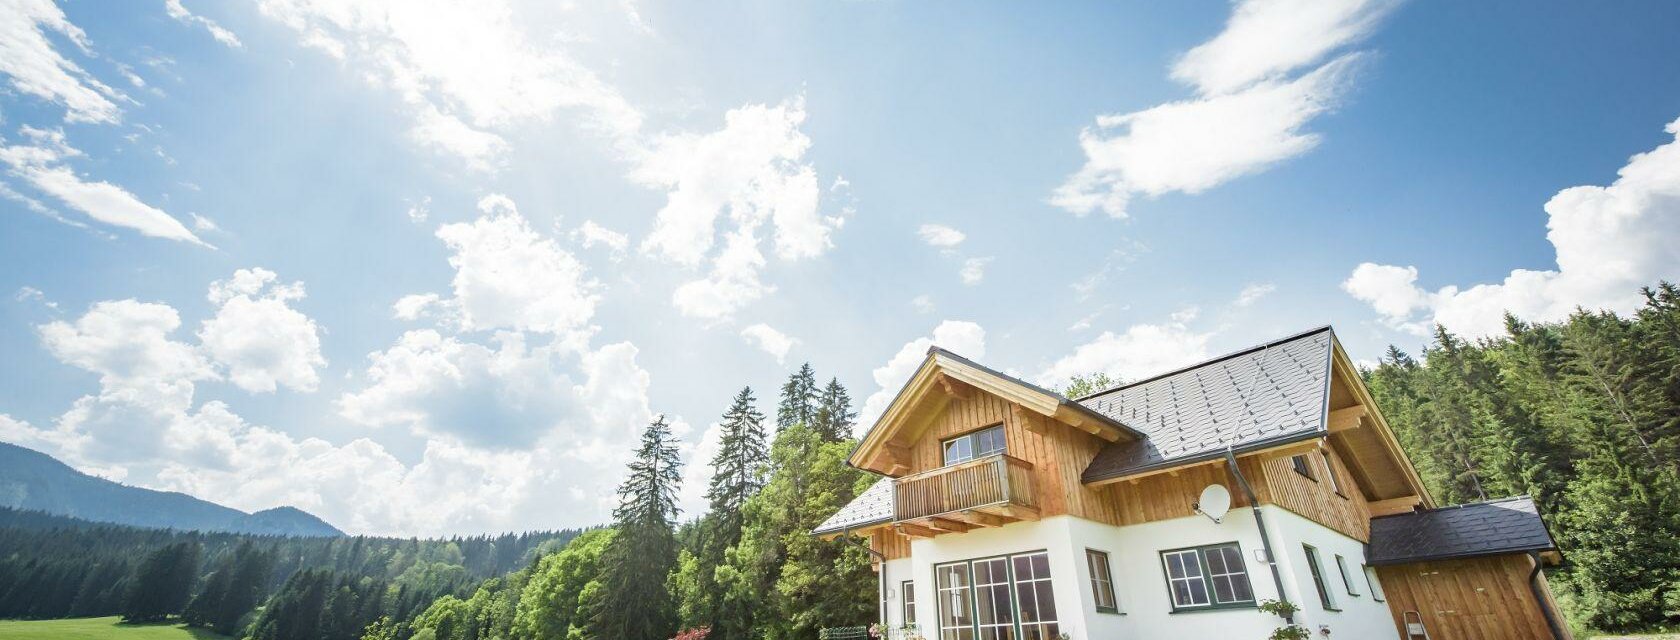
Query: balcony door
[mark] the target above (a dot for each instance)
(1002, 598)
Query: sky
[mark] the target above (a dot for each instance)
(429, 267)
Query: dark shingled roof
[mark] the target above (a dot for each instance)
(1263, 396)
(874, 505)
(1496, 527)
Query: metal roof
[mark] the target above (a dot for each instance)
(1511, 525)
(1263, 396)
(873, 506)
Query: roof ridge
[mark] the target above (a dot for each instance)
(1214, 360)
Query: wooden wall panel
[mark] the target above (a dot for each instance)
(1314, 499)
(1470, 599)
(1165, 496)
(889, 543)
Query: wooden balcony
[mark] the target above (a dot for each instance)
(986, 492)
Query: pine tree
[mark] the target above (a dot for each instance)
(799, 399)
(162, 583)
(739, 470)
(635, 603)
(835, 416)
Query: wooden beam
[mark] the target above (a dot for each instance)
(915, 530)
(1015, 511)
(1079, 421)
(980, 519)
(1345, 419)
(955, 388)
(1032, 421)
(946, 524)
(1395, 505)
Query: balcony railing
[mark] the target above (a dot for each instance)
(988, 491)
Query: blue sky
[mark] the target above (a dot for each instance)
(427, 268)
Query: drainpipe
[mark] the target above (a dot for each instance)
(881, 578)
(1259, 521)
(1540, 597)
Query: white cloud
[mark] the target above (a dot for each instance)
(753, 173)
(1142, 350)
(941, 236)
(258, 337)
(591, 234)
(128, 344)
(922, 303)
(974, 270)
(415, 305)
(419, 211)
(509, 277)
(180, 13)
(466, 68)
(41, 164)
(769, 340)
(203, 224)
(964, 338)
(37, 69)
(1610, 241)
(1248, 113)
(1253, 293)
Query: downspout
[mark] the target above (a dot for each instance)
(1540, 597)
(881, 577)
(1259, 521)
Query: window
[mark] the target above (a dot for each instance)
(1102, 581)
(1005, 598)
(970, 446)
(1375, 584)
(907, 596)
(1212, 576)
(1302, 466)
(1038, 605)
(955, 619)
(1330, 474)
(1318, 578)
(1347, 580)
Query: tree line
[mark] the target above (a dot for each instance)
(1583, 415)
(747, 568)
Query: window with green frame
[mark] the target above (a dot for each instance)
(1315, 566)
(907, 596)
(1207, 577)
(1102, 581)
(1001, 598)
(1347, 579)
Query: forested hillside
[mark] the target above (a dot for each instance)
(53, 567)
(1584, 415)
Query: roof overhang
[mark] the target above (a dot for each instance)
(944, 376)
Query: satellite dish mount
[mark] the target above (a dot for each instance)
(1214, 502)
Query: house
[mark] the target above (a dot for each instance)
(1171, 507)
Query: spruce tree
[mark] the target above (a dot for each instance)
(799, 399)
(738, 474)
(635, 603)
(835, 416)
(162, 583)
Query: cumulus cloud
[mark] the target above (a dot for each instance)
(467, 69)
(974, 270)
(1609, 241)
(1143, 350)
(591, 234)
(1253, 293)
(958, 336)
(180, 13)
(36, 68)
(941, 236)
(769, 340)
(751, 173)
(40, 162)
(128, 344)
(507, 276)
(258, 337)
(1248, 113)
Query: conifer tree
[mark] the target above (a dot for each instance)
(739, 470)
(635, 603)
(162, 583)
(835, 416)
(799, 399)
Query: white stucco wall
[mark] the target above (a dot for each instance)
(1140, 584)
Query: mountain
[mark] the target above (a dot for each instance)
(32, 480)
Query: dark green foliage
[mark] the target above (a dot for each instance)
(235, 588)
(799, 399)
(738, 472)
(1584, 415)
(162, 583)
(835, 416)
(634, 602)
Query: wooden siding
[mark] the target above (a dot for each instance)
(1059, 453)
(1471, 599)
(1165, 496)
(1315, 500)
(889, 543)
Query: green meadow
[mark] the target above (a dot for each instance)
(99, 629)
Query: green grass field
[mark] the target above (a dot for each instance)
(98, 629)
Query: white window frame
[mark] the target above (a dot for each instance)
(968, 443)
(1347, 580)
(1196, 558)
(1015, 582)
(960, 598)
(1374, 581)
(1039, 628)
(1315, 565)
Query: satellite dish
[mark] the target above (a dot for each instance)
(1214, 502)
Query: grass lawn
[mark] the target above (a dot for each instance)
(99, 629)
